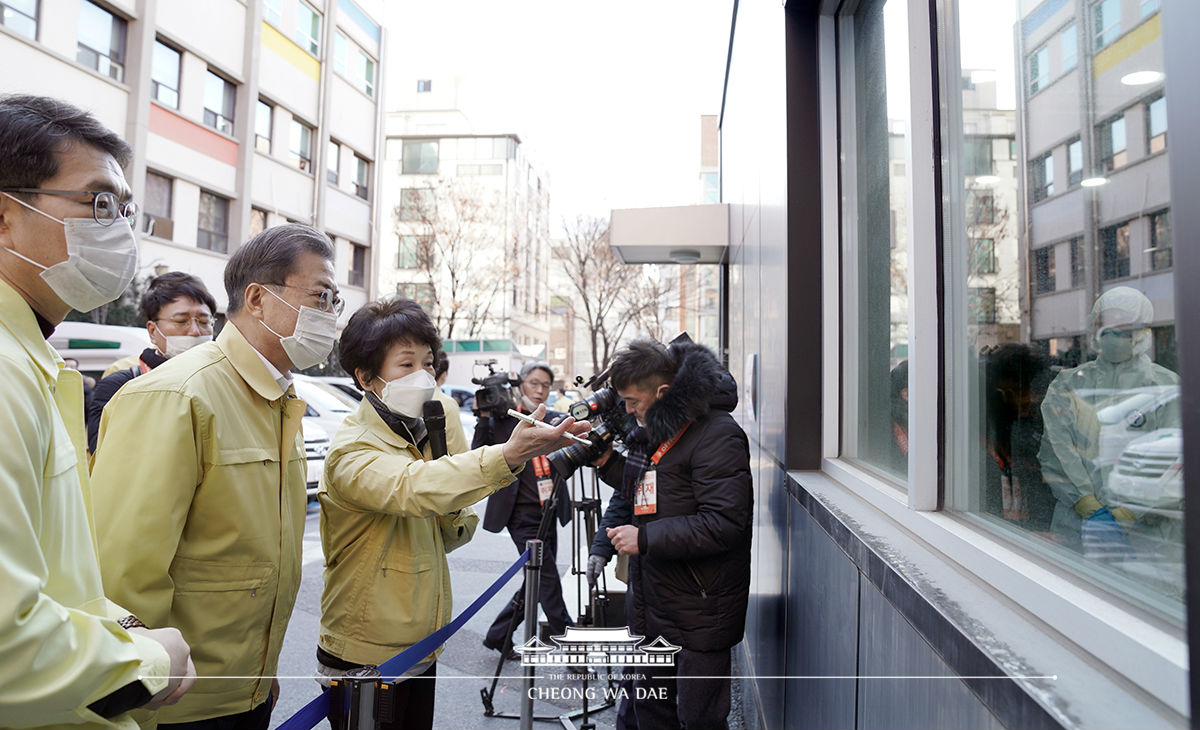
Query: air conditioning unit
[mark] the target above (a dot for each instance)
(152, 225)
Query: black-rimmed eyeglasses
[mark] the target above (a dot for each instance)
(107, 208)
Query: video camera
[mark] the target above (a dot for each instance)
(496, 394)
(606, 411)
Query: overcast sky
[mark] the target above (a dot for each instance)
(607, 96)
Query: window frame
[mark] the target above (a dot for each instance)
(333, 161)
(355, 250)
(270, 136)
(1148, 106)
(212, 234)
(114, 62)
(36, 19)
(1136, 645)
(155, 84)
(309, 44)
(362, 177)
(297, 158)
(228, 94)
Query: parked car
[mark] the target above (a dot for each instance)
(1148, 476)
(96, 346)
(464, 397)
(328, 409)
(341, 383)
(316, 447)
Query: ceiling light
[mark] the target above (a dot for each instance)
(1094, 182)
(1142, 78)
(685, 255)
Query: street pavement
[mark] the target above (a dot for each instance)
(465, 666)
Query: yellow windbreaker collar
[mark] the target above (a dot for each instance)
(18, 317)
(246, 362)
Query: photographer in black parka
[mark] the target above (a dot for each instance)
(687, 472)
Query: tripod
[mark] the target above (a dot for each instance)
(585, 511)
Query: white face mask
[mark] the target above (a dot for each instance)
(406, 396)
(312, 338)
(179, 344)
(528, 403)
(101, 261)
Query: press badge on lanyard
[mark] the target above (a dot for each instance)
(545, 484)
(645, 497)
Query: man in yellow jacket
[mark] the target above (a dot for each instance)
(70, 658)
(200, 479)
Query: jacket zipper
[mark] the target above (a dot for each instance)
(703, 593)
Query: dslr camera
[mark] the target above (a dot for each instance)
(496, 393)
(606, 411)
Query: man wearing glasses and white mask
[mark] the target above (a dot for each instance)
(199, 478)
(179, 315)
(519, 505)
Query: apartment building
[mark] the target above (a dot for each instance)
(469, 228)
(242, 114)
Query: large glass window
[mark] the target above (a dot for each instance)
(1156, 125)
(420, 157)
(263, 119)
(333, 161)
(213, 230)
(358, 265)
(878, 246)
(412, 251)
(273, 12)
(300, 145)
(1062, 411)
(20, 16)
(1039, 70)
(164, 75)
(219, 99)
(362, 176)
(156, 206)
(417, 204)
(1070, 48)
(101, 43)
(354, 64)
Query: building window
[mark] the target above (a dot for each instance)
(219, 99)
(1148, 7)
(420, 157)
(1074, 162)
(1070, 48)
(358, 265)
(417, 204)
(263, 119)
(273, 12)
(1043, 270)
(354, 64)
(300, 145)
(20, 16)
(1114, 252)
(424, 86)
(413, 252)
(1041, 177)
(258, 222)
(362, 176)
(308, 28)
(156, 210)
(977, 156)
(1107, 23)
(1160, 240)
(333, 161)
(983, 256)
(981, 305)
(1110, 137)
(164, 75)
(1156, 125)
(101, 44)
(213, 230)
(1078, 268)
(419, 292)
(981, 208)
(1039, 70)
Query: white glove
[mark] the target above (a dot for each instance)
(595, 566)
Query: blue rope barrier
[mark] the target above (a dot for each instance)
(317, 710)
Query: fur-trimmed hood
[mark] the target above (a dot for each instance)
(701, 384)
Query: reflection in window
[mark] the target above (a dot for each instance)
(1041, 177)
(1110, 138)
(1114, 251)
(1156, 125)
(1039, 70)
(1043, 270)
(1064, 432)
(219, 100)
(1107, 22)
(877, 433)
(213, 229)
(983, 256)
(413, 252)
(1160, 240)
(417, 205)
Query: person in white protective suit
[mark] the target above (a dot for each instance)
(1092, 412)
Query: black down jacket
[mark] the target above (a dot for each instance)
(691, 582)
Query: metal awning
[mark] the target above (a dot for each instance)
(685, 234)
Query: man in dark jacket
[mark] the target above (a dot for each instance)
(687, 473)
(519, 507)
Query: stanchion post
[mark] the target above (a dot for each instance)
(533, 572)
(352, 704)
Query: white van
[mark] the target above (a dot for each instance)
(96, 346)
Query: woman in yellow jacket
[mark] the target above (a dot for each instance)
(390, 512)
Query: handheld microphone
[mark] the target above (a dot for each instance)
(435, 424)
